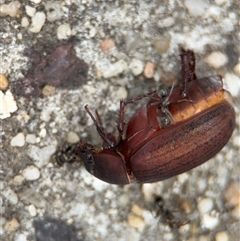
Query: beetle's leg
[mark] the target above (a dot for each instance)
(188, 69)
(123, 104)
(109, 142)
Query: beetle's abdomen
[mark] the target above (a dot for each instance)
(183, 146)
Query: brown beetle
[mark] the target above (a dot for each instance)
(178, 129)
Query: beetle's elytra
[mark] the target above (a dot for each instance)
(178, 129)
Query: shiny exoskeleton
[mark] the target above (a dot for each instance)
(177, 129)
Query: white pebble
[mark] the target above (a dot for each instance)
(216, 59)
(41, 156)
(25, 22)
(72, 137)
(36, 1)
(43, 133)
(121, 93)
(237, 69)
(166, 22)
(12, 225)
(18, 140)
(20, 237)
(92, 32)
(222, 236)
(32, 210)
(220, 2)
(64, 31)
(38, 21)
(7, 104)
(31, 138)
(232, 83)
(209, 222)
(18, 180)
(10, 9)
(10, 195)
(136, 66)
(31, 173)
(30, 11)
(205, 205)
(197, 7)
(54, 11)
(114, 69)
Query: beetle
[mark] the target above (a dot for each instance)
(176, 130)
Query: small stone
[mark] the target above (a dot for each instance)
(64, 31)
(149, 70)
(31, 138)
(3, 82)
(18, 180)
(20, 237)
(161, 45)
(10, 195)
(196, 8)
(25, 22)
(92, 32)
(205, 205)
(18, 140)
(7, 104)
(123, 200)
(54, 11)
(48, 90)
(220, 2)
(72, 137)
(31, 173)
(166, 22)
(216, 59)
(43, 133)
(236, 69)
(121, 93)
(136, 66)
(36, 1)
(186, 206)
(30, 11)
(222, 236)
(136, 210)
(114, 69)
(107, 45)
(12, 225)
(209, 222)
(38, 21)
(232, 84)
(136, 221)
(11, 9)
(32, 210)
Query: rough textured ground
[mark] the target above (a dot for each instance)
(41, 201)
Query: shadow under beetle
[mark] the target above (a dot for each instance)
(178, 129)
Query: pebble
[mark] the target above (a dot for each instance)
(36, 1)
(197, 7)
(18, 140)
(72, 137)
(64, 31)
(166, 22)
(161, 45)
(114, 69)
(136, 221)
(8, 104)
(205, 205)
(220, 2)
(25, 22)
(121, 93)
(136, 210)
(10, 195)
(32, 210)
(11, 9)
(30, 11)
(31, 138)
(38, 21)
(92, 32)
(20, 237)
(31, 173)
(107, 45)
(222, 236)
(12, 225)
(209, 222)
(54, 11)
(43, 133)
(232, 83)
(3, 82)
(18, 180)
(216, 59)
(48, 90)
(41, 156)
(237, 69)
(136, 66)
(149, 70)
